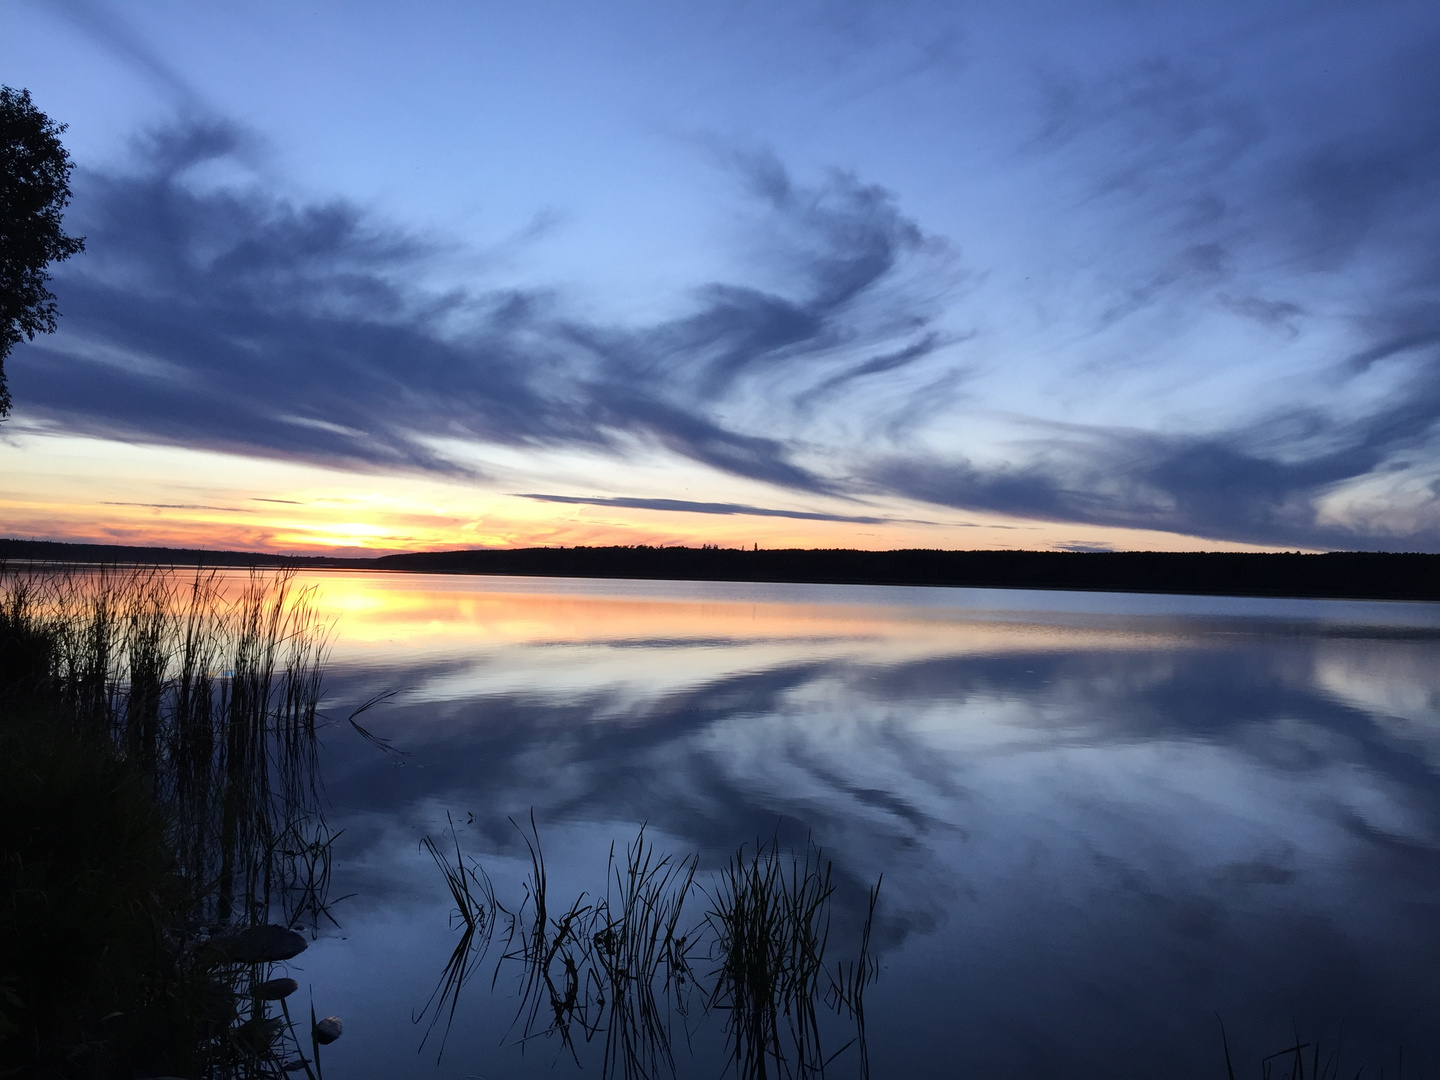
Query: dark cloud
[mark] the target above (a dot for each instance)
(686, 506)
(1255, 156)
(118, 38)
(179, 506)
(1197, 266)
(1374, 182)
(836, 246)
(238, 321)
(884, 363)
(1233, 485)
(1280, 313)
(1266, 178)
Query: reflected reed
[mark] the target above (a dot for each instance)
(1304, 1061)
(770, 921)
(475, 912)
(621, 967)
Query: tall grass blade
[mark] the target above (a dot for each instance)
(474, 913)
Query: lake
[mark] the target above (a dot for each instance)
(1105, 823)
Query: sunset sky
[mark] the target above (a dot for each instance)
(1038, 275)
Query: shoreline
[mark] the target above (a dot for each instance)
(1349, 575)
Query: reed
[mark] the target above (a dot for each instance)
(1305, 1061)
(644, 957)
(474, 914)
(555, 957)
(616, 967)
(210, 693)
(850, 978)
(203, 692)
(621, 967)
(770, 920)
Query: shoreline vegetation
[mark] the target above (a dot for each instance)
(1340, 575)
(160, 826)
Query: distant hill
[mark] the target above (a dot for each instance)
(1339, 575)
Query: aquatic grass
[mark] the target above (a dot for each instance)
(617, 967)
(210, 691)
(621, 967)
(475, 911)
(204, 693)
(639, 943)
(1303, 1060)
(1289, 1064)
(770, 918)
(850, 979)
(385, 746)
(554, 956)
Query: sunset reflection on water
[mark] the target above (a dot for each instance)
(1101, 819)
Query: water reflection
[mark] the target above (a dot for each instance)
(1098, 824)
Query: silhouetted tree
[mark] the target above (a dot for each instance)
(34, 191)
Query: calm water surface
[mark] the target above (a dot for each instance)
(1102, 820)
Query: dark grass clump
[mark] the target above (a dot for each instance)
(770, 920)
(643, 952)
(157, 790)
(1309, 1061)
(615, 968)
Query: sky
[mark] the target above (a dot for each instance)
(379, 277)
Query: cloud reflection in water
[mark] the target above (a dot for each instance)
(1099, 824)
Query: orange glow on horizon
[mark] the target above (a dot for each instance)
(443, 616)
(92, 491)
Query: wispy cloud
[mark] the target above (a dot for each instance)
(235, 320)
(1282, 211)
(180, 506)
(688, 507)
(1225, 212)
(1234, 484)
(122, 41)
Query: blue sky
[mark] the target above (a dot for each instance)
(1022, 275)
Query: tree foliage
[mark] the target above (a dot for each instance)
(34, 191)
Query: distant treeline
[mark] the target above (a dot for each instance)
(1341, 575)
(53, 551)
(1350, 574)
